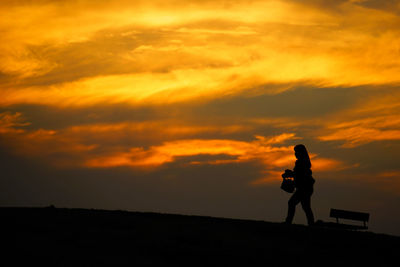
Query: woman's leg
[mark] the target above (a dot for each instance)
(293, 201)
(306, 204)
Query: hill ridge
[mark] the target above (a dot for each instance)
(76, 237)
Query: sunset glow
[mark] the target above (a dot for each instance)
(178, 88)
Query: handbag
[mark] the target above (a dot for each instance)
(288, 185)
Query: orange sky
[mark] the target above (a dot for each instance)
(174, 87)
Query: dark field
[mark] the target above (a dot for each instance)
(81, 237)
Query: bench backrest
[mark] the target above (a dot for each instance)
(352, 215)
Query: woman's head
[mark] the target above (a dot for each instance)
(301, 153)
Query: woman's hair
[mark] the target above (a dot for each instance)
(303, 154)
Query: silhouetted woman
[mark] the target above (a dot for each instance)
(304, 182)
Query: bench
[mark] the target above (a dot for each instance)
(350, 215)
(346, 214)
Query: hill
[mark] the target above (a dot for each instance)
(82, 237)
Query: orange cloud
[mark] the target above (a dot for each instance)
(263, 149)
(105, 146)
(319, 165)
(268, 178)
(326, 164)
(376, 119)
(148, 52)
(168, 151)
(83, 142)
(356, 136)
(9, 122)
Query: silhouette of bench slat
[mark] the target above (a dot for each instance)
(350, 215)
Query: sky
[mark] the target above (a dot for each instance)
(194, 107)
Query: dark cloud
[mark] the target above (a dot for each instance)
(296, 107)
(298, 102)
(332, 5)
(376, 156)
(53, 117)
(388, 5)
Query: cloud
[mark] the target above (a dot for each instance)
(264, 150)
(11, 123)
(374, 119)
(113, 144)
(388, 6)
(319, 165)
(355, 136)
(76, 53)
(166, 152)
(109, 146)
